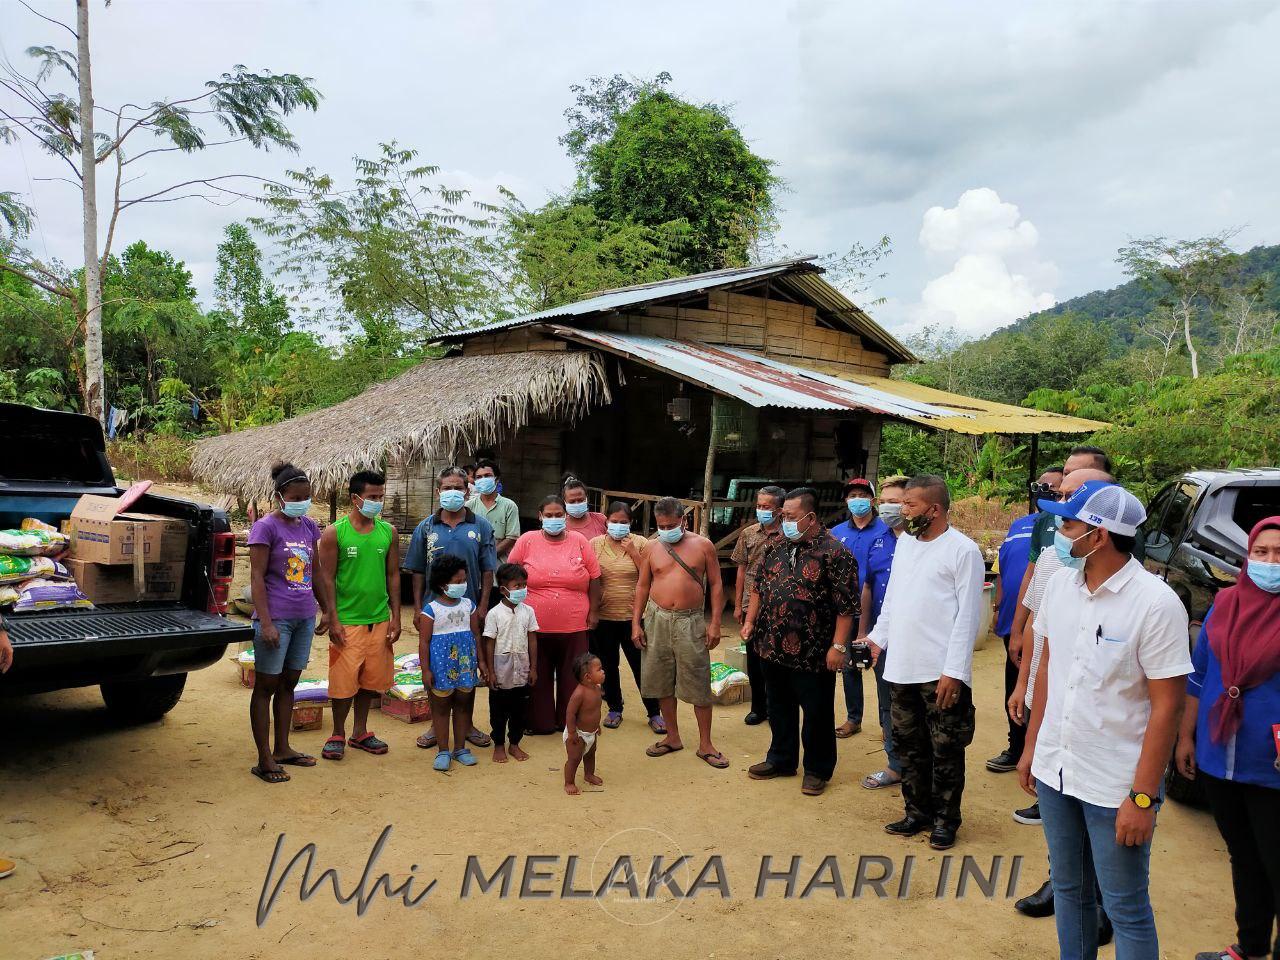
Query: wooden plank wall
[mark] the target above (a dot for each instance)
(522, 340)
(531, 465)
(411, 491)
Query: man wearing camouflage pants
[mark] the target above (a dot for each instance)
(926, 630)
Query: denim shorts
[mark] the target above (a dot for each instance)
(294, 650)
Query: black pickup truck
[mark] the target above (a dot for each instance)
(1196, 537)
(139, 653)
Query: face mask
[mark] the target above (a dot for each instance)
(370, 508)
(295, 508)
(486, 485)
(1265, 575)
(1063, 544)
(452, 500)
(791, 529)
(764, 517)
(553, 525)
(455, 591)
(619, 531)
(918, 524)
(517, 594)
(671, 536)
(891, 513)
(577, 510)
(859, 506)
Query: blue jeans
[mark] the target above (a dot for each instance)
(1082, 840)
(853, 694)
(884, 699)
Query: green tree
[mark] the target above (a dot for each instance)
(248, 300)
(248, 106)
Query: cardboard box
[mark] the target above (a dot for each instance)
(736, 656)
(99, 534)
(308, 715)
(408, 711)
(107, 583)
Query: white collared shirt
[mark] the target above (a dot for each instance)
(1103, 648)
(932, 609)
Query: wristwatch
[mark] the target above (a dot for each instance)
(1142, 801)
(840, 647)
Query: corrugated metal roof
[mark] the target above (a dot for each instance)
(641, 293)
(765, 382)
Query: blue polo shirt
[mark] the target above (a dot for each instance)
(1015, 554)
(875, 561)
(855, 540)
(471, 541)
(1249, 756)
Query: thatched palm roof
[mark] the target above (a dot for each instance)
(424, 413)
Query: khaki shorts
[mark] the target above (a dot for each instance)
(364, 662)
(675, 661)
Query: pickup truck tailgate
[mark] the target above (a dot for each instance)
(126, 630)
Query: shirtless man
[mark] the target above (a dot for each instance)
(670, 626)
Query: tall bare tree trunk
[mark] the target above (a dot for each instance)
(94, 386)
(1191, 347)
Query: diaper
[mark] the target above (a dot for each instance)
(588, 739)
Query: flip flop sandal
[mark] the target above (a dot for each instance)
(297, 760)
(6, 868)
(442, 761)
(465, 757)
(479, 739)
(658, 725)
(613, 719)
(1231, 953)
(716, 760)
(661, 749)
(269, 776)
(335, 748)
(878, 780)
(369, 743)
(426, 741)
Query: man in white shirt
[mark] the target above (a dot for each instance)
(1108, 699)
(926, 630)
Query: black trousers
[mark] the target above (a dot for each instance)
(607, 639)
(509, 714)
(930, 743)
(759, 688)
(1248, 818)
(802, 710)
(1017, 732)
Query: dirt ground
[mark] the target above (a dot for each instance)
(155, 842)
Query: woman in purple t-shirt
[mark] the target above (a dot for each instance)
(282, 551)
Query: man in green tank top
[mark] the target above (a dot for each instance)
(360, 575)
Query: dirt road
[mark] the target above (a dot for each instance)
(155, 841)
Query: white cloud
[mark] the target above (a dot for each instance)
(994, 272)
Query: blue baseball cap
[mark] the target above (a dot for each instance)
(1101, 503)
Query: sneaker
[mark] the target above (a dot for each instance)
(1004, 762)
(1028, 815)
(6, 867)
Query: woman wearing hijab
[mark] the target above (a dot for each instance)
(1230, 738)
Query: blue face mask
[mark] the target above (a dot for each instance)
(1265, 575)
(295, 508)
(455, 591)
(553, 525)
(577, 510)
(671, 536)
(1063, 544)
(452, 500)
(370, 508)
(486, 485)
(859, 506)
(764, 517)
(517, 594)
(619, 531)
(791, 529)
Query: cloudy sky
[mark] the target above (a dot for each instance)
(1007, 149)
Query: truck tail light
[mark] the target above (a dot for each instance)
(222, 566)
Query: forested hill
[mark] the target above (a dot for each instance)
(1120, 307)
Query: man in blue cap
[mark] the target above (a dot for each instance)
(1109, 695)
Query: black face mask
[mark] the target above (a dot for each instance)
(918, 524)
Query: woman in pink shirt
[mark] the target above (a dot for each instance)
(581, 518)
(564, 591)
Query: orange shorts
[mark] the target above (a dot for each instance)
(364, 662)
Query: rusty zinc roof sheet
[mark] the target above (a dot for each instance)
(765, 382)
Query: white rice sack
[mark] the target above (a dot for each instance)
(724, 676)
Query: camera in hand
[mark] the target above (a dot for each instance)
(860, 656)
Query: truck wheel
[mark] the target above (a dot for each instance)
(1177, 787)
(143, 701)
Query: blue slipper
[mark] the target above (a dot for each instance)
(465, 757)
(441, 761)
